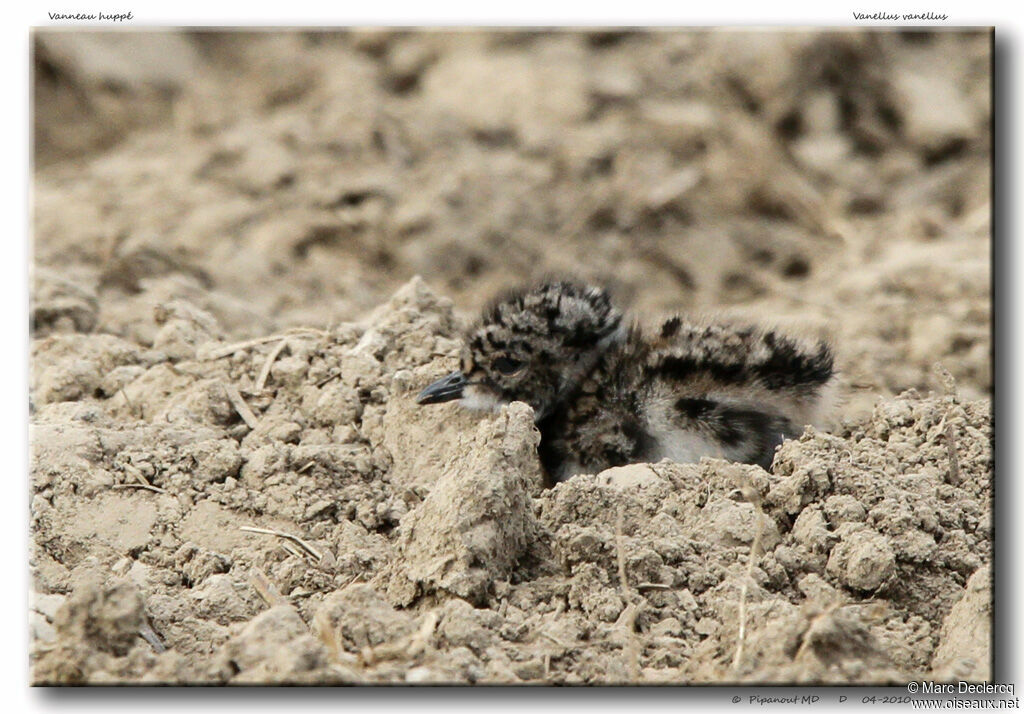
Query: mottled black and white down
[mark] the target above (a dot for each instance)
(606, 392)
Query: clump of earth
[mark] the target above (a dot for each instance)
(234, 308)
(346, 534)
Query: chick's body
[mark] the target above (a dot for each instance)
(693, 390)
(606, 395)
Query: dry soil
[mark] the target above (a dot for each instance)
(252, 249)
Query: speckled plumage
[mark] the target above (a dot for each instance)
(606, 393)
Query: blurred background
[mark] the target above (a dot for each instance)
(836, 180)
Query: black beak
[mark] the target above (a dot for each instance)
(443, 390)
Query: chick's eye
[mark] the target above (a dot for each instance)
(506, 365)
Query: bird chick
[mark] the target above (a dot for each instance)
(606, 393)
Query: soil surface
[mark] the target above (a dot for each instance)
(251, 251)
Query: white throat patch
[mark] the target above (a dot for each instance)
(479, 400)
